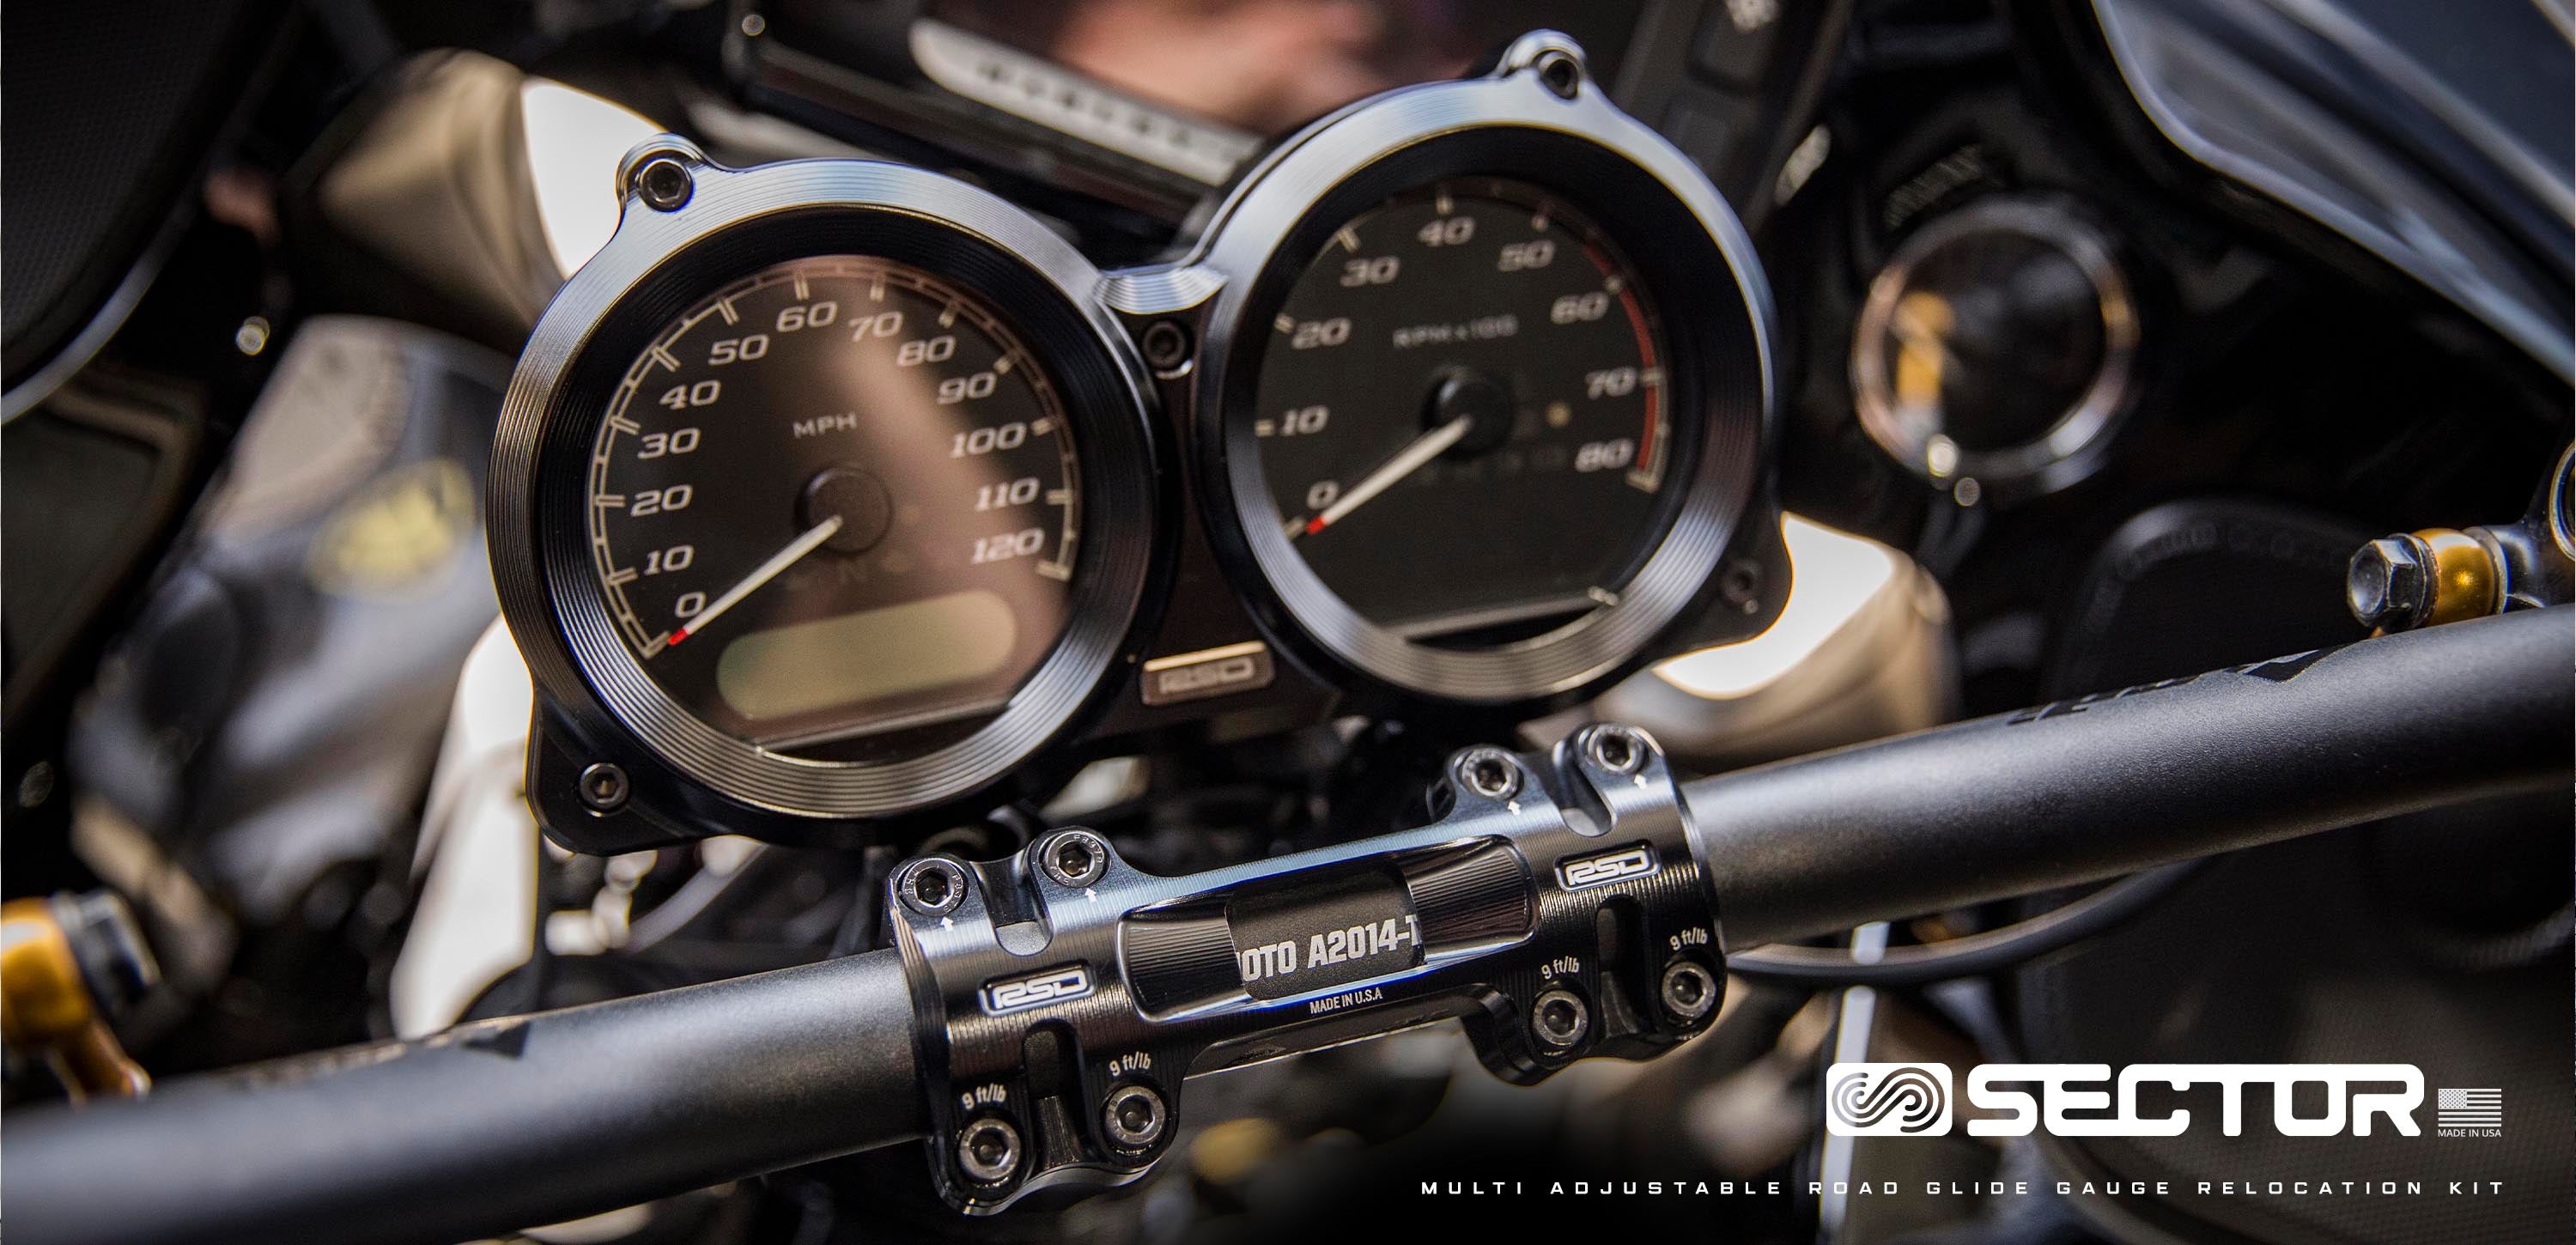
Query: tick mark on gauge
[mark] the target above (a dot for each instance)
(609, 501)
(620, 577)
(1285, 323)
(1041, 426)
(665, 357)
(948, 315)
(1059, 496)
(1055, 570)
(624, 425)
(801, 294)
(725, 309)
(1440, 200)
(1348, 237)
(1002, 366)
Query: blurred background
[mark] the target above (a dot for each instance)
(2107, 332)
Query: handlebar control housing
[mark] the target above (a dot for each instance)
(1554, 904)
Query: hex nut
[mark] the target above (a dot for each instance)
(2389, 584)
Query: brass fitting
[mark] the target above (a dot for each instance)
(2465, 580)
(49, 1002)
(2436, 576)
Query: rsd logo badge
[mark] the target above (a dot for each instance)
(1887, 1099)
(1037, 989)
(1603, 868)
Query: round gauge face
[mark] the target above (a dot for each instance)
(1461, 415)
(835, 505)
(1996, 344)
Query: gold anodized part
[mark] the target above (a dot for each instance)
(46, 1010)
(2466, 582)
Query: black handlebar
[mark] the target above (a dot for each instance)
(489, 1127)
(503, 1124)
(2082, 790)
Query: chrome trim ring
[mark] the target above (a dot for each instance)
(2073, 446)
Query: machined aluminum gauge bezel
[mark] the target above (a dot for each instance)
(2075, 444)
(728, 224)
(1537, 118)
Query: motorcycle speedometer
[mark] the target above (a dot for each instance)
(800, 503)
(1483, 407)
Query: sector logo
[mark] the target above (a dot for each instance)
(1887, 1099)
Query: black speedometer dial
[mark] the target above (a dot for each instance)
(835, 503)
(1461, 414)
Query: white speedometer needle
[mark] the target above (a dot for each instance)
(1429, 446)
(812, 539)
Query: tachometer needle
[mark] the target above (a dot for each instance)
(1429, 446)
(812, 539)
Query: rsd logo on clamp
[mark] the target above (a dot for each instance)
(1035, 990)
(1603, 868)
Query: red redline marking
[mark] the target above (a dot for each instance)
(1645, 351)
(676, 637)
(1314, 525)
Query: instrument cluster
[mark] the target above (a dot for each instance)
(834, 496)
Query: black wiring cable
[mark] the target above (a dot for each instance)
(1975, 955)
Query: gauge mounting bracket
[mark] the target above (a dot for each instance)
(1554, 904)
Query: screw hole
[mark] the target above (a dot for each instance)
(1135, 1117)
(989, 1150)
(1489, 772)
(1166, 345)
(1073, 858)
(1690, 993)
(1560, 74)
(603, 787)
(930, 886)
(1560, 1019)
(1741, 584)
(665, 184)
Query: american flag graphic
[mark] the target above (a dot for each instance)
(2469, 1108)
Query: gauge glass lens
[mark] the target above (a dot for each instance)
(1461, 414)
(834, 507)
(1996, 346)
(1996, 336)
